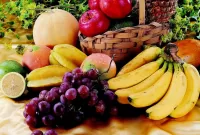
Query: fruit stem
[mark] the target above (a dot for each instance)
(171, 50)
(108, 67)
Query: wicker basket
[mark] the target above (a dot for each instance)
(126, 42)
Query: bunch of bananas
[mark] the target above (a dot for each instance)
(160, 81)
(67, 56)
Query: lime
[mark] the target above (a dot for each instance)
(13, 85)
(10, 66)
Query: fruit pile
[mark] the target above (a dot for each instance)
(159, 80)
(80, 95)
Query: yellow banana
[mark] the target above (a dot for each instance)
(71, 53)
(191, 95)
(136, 76)
(122, 94)
(154, 93)
(196, 72)
(53, 61)
(63, 61)
(142, 58)
(172, 98)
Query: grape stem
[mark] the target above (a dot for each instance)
(112, 59)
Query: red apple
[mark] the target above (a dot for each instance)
(116, 9)
(93, 4)
(93, 22)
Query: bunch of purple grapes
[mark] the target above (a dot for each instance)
(80, 96)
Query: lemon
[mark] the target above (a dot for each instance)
(13, 85)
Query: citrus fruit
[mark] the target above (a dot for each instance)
(13, 85)
(10, 66)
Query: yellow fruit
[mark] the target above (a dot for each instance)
(172, 98)
(122, 94)
(71, 53)
(47, 72)
(191, 95)
(13, 85)
(46, 76)
(63, 61)
(154, 93)
(46, 82)
(53, 61)
(142, 58)
(136, 76)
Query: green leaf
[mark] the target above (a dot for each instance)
(2, 34)
(29, 37)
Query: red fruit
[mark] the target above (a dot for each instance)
(94, 4)
(93, 22)
(116, 9)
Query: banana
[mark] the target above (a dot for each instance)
(63, 61)
(71, 53)
(136, 76)
(154, 93)
(46, 76)
(172, 98)
(192, 92)
(196, 72)
(53, 61)
(122, 94)
(142, 58)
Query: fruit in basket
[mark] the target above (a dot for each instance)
(142, 58)
(54, 27)
(46, 76)
(70, 53)
(11, 66)
(116, 9)
(94, 4)
(36, 57)
(192, 54)
(172, 90)
(80, 95)
(105, 65)
(13, 85)
(93, 22)
(135, 76)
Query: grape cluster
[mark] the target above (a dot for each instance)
(80, 95)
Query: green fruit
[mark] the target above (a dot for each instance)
(11, 66)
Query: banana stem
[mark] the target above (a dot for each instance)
(171, 50)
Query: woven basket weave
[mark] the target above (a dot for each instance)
(126, 42)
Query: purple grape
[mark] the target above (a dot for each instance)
(63, 100)
(78, 83)
(42, 94)
(44, 107)
(51, 132)
(25, 114)
(92, 100)
(114, 111)
(89, 85)
(71, 94)
(104, 84)
(100, 107)
(30, 109)
(55, 89)
(83, 91)
(35, 100)
(31, 121)
(48, 120)
(109, 96)
(85, 81)
(67, 77)
(51, 96)
(77, 71)
(77, 76)
(59, 109)
(37, 132)
(92, 74)
(64, 87)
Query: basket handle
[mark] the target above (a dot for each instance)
(141, 12)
